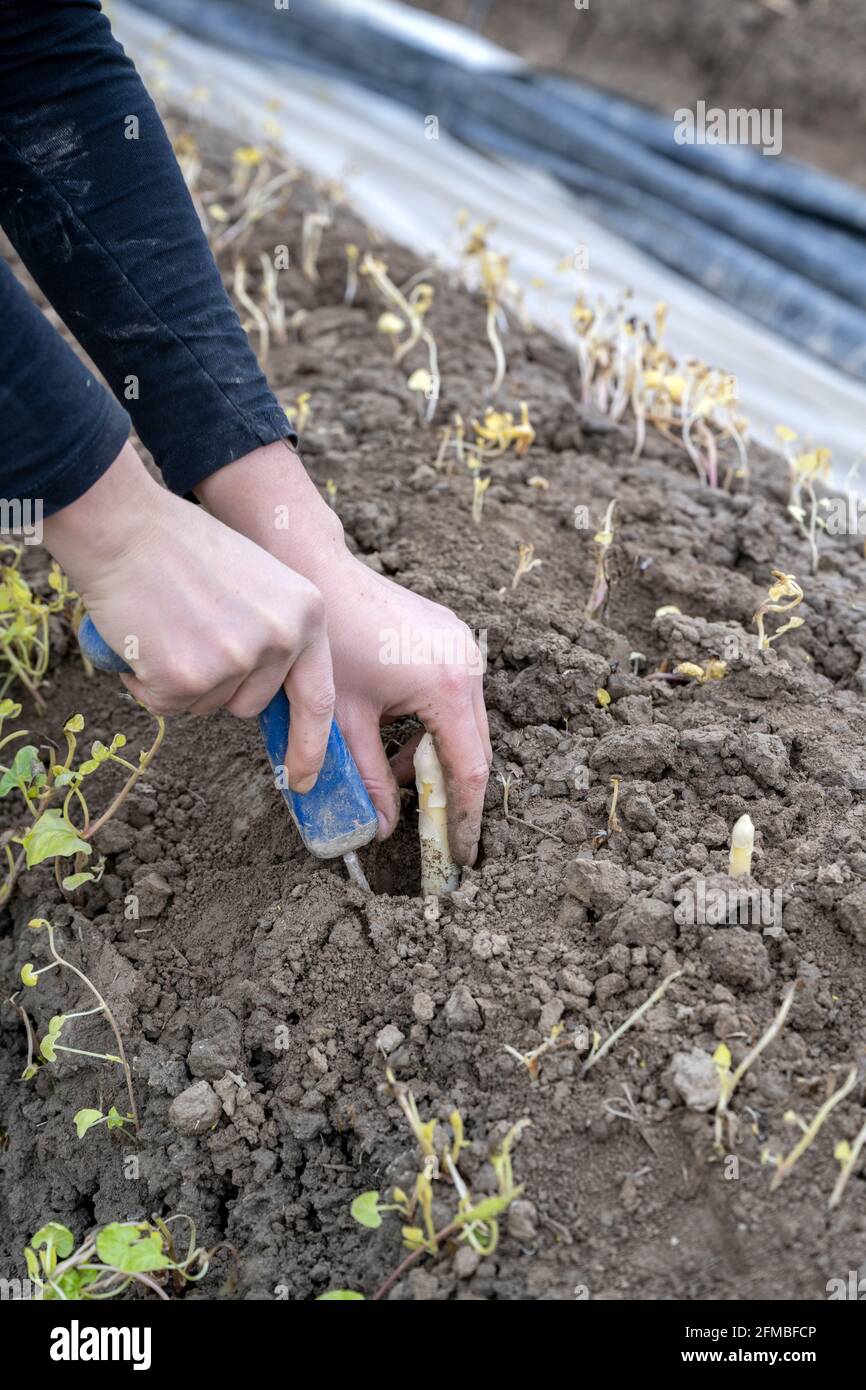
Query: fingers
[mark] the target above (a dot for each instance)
(310, 688)
(464, 752)
(361, 732)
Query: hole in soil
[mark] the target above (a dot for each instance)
(393, 869)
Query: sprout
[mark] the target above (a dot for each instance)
(847, 1154)
(493, 270)
(742, 845)
(479, 488)
(810, 1131)
(525, 562)
(413, 310)
(351, 273)
(714, 670)
(275, 309)
(722, 1059)
(439, 873)
(603, 540)
(785, 586)
(239, 287)
(313, 226)
(613, 824)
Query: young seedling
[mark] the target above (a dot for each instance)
(714, 670)
(811, 1130)
(785, 587)
(533, 1059)
(600, 1050)
(274, 308)
(53, 834)
(742, 846)
(439, 873)
(239, 288)
(114, 1259)
(49, 1045)
(602, 540)
(847, 1155)
(499, 431)
(804, 467)
(493, 274)
(510, 817)
(474, 1222)
(525, 562)
(351, 290)
(85, 1120)
(298, 415)
(413, 314)
(313, 226)
(25, 634)
(728, 1081)
(479, 488)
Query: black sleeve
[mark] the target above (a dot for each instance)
(93, 201)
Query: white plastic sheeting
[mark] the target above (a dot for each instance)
(411, 187)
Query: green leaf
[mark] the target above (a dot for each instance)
(9, 709)
(85, 1120)
(54, 1236)
(340, 1296)
(29, 1072)
(46, 1048)
(52, 835)
(119, 741)
(365, 1210)
(75, 880)
(55, 1025)
(32, 1265)
(98, 751)
(25, 766)
(74, 724)
(115, 1120)
(28, 974)
(131, 1247)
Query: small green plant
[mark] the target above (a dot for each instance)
(113, 1259)
(85, 1120)
(50, 792)
(49, 1044)
(25, 638)
(475, 1223)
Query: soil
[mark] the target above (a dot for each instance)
(267, 975)
(803, 56)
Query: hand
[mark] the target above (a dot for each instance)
(393, 652)
(205, 618)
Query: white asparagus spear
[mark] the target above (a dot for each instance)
(742, 844)
(439, 873)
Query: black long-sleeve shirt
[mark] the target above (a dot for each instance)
(93, 201)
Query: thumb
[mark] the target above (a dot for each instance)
(361, 732)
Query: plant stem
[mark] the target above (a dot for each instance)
(108, 1014)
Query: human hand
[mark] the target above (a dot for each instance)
(393, 652)
(206, 619)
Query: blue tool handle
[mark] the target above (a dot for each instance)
(333, 818)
